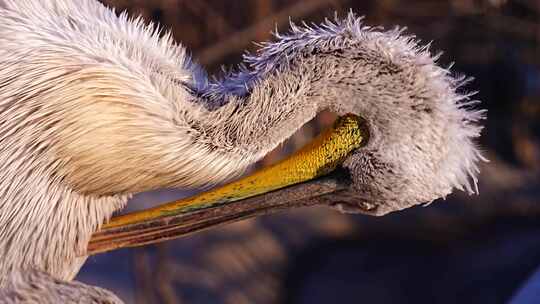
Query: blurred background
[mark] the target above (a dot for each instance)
(465, 249)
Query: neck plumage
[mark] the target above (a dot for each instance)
(344, 69)
(421, 128)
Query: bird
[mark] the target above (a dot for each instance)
(96, 106)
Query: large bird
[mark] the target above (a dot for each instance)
(95, 106)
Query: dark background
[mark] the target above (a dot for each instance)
(465, 249)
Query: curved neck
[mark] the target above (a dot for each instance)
(276, 104)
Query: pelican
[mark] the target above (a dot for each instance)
(97, 106)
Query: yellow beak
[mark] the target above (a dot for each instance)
(247, 197)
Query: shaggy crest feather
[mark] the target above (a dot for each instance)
(96, 106)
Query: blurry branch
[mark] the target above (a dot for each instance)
(513, 26)
(164, 280)
(262, 9)
(214, 19)
(243, 38)
(142, 276)
(337, 5)
(414, 9)
(532, 5)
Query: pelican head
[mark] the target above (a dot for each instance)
(95, 107)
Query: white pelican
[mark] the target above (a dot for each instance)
(96, 106)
